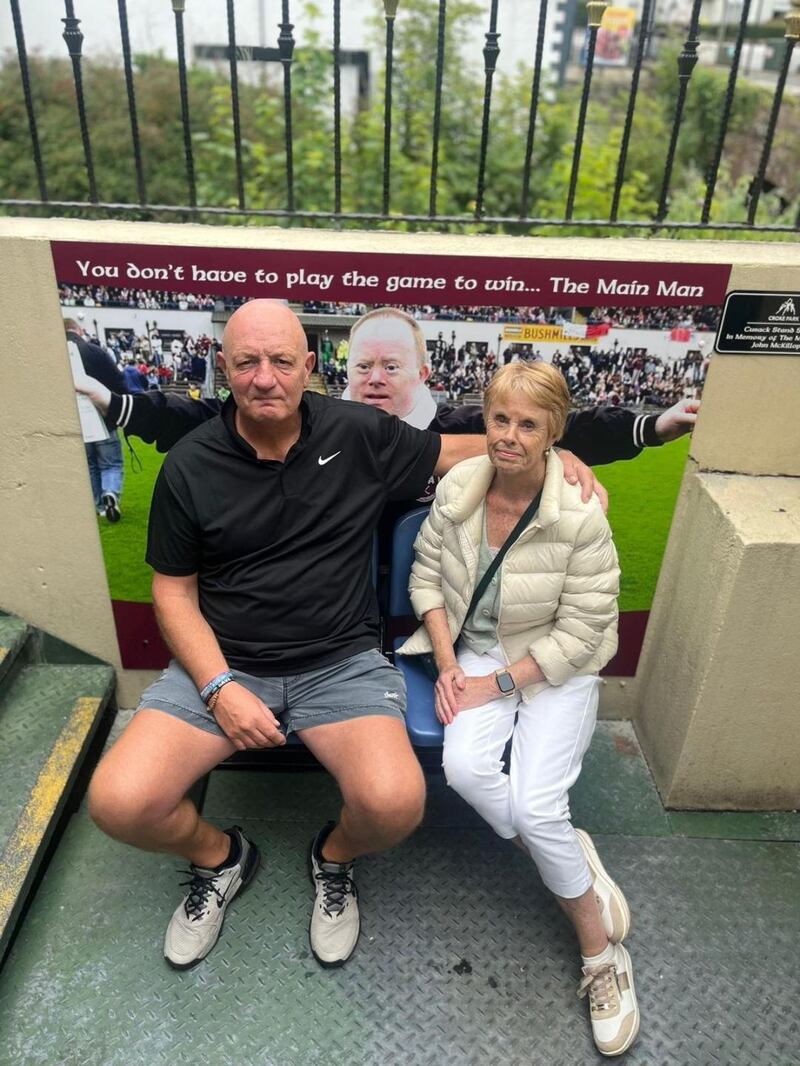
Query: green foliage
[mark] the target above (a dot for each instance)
(59, 132)
(729, 205)
(704, 107)
(413, 101)
(263, 148)
(595, 187)
(773, 30)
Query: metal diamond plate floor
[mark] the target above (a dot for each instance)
(33, 711)
(463, 958)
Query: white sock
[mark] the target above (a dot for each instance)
(607, 955)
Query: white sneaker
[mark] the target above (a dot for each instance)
(614, 908)
(335, 922)
(196, 924)
(613, 1009)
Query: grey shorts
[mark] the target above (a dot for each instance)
(364, 684)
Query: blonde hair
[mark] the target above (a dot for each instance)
(423, 355)
(540, 383)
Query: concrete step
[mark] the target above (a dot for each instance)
(14, 634)
(49, 715)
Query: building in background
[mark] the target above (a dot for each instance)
(152, 31)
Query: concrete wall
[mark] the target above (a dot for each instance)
(721, 686)
(715, 699)
(51, 566)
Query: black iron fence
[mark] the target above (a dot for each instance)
(240, 206)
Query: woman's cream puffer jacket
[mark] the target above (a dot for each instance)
(560, 579)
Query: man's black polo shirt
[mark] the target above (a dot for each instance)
(283, 550)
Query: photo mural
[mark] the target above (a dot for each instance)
(418, 337)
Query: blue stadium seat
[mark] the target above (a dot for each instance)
(403, 537)
(423, 727)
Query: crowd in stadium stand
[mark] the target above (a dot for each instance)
(152, 361)
(613, 375)
(322, 307)
(690, 318)
(143, 299)
(630, 377)
(461, 313)
(660, 318)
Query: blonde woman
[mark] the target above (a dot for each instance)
(518, 647)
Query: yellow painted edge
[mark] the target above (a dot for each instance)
(3, 653)
(38, 811)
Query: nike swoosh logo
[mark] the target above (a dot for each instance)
(322, 461)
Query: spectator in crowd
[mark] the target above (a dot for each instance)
(157, 348)
(134, 379)
(104, 457)
(532, 640)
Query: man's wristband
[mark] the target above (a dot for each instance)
(214, 685)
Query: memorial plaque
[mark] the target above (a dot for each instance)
(760, 323)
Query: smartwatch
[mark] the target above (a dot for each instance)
(505, 682)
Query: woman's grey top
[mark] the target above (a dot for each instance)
(480, 630)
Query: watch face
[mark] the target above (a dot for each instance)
(505, 682)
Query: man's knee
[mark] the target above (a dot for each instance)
(396, 805)
(120, 808)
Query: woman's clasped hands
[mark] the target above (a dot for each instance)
(454, 692)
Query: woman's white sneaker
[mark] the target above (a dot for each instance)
(196, 924)
(335, 921)
(614, 908)
(613, 1009)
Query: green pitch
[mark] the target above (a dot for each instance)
(643, 493)
(124, 544)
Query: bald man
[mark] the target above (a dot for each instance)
(260, 538)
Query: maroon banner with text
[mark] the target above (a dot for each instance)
(391, 278)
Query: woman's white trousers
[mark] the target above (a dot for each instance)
(551, 732)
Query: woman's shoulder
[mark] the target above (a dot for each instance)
(464, 473)
(573, 508)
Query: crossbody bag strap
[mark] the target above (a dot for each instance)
(495, 564)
